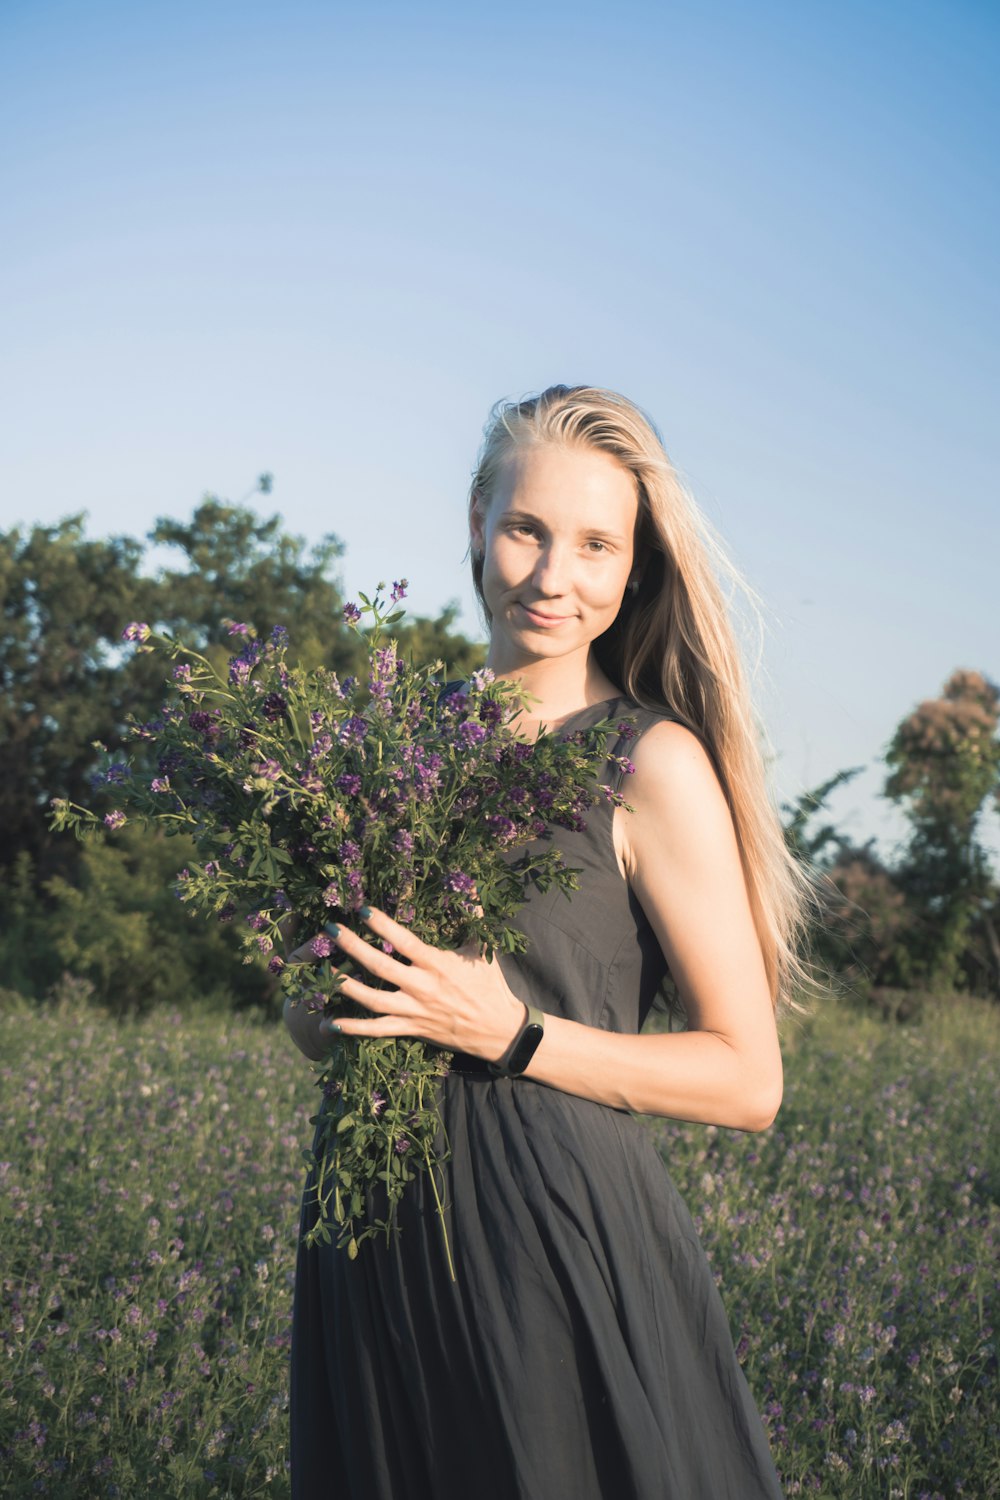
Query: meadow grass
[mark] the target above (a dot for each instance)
(149, 1217)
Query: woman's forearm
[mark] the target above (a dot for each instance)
(687, 1075)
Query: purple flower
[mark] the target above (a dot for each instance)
(353, 730)
(349, 852)
(349, 783)
(402, 1145)
(268, 769)
(321, 745)
(118, 774)
(482, 679)
(160, 784)
(274, 706)
(211, 868)
(279, 636)
(471, 734)
(310, 782)
(227, 913)
(402, 841)
(321, 945)
(626, 730)
(235, 628)
(136, 630)
(114, 819)
(377, 1101)
(399, 590)
(205, 723)
(458, 881)
(316, 718)
(386, 664)
(257, 921)
(281, 900)
(265, 943)
(352, 614)
(504, 829)
(276, 965)
(182, 672)
(331, 895)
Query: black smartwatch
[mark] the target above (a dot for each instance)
(522, 1049)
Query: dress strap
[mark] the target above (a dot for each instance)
(636, 720)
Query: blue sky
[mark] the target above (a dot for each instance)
(322, 240)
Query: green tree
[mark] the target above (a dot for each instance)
(422, 640)
(240, 566)
(63, 680)
(944, 764)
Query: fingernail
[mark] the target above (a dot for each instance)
(364, 912)
(327, 1026)
(332, 929)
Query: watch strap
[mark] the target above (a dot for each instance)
(522, 1048)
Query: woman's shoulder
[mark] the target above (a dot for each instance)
(651, 741)
(668, 755)
(659, 725)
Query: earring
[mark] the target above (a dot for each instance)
(633, 586)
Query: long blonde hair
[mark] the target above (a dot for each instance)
(673, 645)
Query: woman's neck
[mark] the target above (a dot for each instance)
(557, 688)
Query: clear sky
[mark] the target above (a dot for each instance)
(321, 240)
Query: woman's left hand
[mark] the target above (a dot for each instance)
(455, 999)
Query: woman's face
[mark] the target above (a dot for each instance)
(557, 535)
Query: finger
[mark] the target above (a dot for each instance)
(402, 939)
(378, 1000)
(378, 1026)
(382, 965)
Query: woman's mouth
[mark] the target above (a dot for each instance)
(544, 621)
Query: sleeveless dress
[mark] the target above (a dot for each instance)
(584, 1351)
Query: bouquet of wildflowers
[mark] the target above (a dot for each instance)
(308, 794)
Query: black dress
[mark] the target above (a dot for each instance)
(583, 1351)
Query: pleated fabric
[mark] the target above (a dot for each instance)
(584, 1350)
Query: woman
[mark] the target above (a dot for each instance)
(583, 1350)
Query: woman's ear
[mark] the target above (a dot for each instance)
(477, 528)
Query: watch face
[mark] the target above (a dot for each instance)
(527, 1044)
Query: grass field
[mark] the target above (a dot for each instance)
(148, 1219)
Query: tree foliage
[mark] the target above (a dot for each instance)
(944, 764)
(929, 920)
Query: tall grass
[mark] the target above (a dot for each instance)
(148, 1220)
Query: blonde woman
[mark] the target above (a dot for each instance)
(583, 1351)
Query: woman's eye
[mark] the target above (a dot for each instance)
(599, 545)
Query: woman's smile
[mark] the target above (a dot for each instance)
(544, 620)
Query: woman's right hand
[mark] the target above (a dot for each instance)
(303, 1026)
(302, 1023)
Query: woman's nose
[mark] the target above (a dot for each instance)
(550, 574)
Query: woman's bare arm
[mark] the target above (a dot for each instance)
(682, 860)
